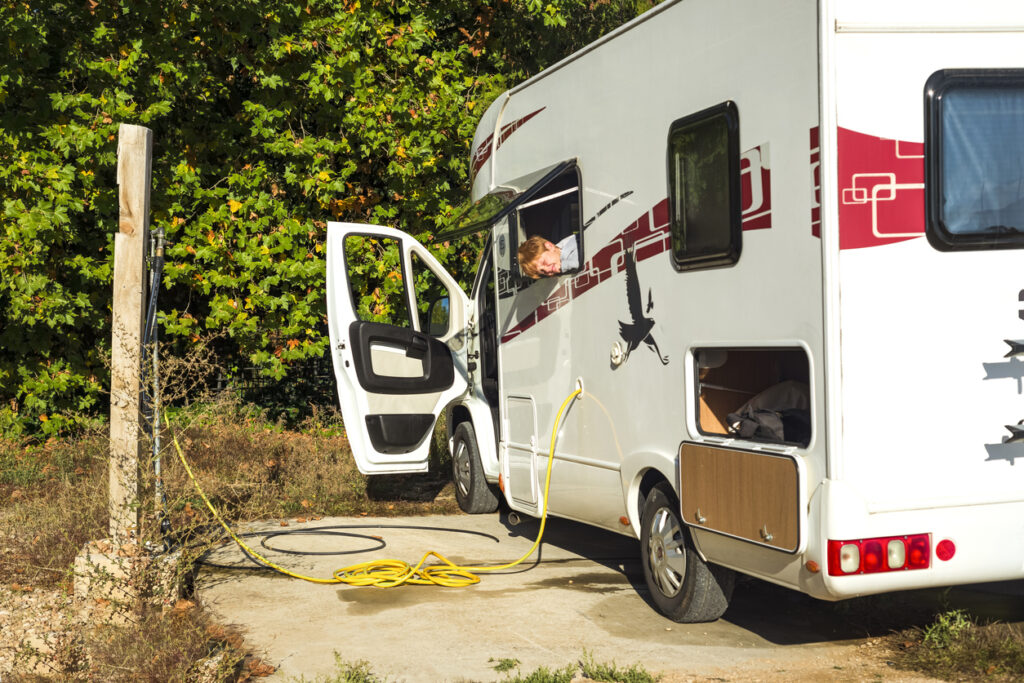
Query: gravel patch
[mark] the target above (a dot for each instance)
(40, 632)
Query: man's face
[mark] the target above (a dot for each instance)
(550, 260)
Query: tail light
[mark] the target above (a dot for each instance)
(873, 555)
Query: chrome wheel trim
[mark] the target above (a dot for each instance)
(462, 468)
(666, 552)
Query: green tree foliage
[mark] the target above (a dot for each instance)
(270, 117)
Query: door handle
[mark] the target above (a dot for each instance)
(417, 347)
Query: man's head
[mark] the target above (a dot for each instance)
(539, 258)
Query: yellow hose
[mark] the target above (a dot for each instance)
(390, 573)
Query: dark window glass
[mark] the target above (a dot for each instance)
(704, 188)
(974, 155)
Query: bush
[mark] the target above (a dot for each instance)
(270, 117)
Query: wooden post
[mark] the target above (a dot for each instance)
(134, 165)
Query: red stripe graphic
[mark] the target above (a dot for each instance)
(881, 190)
(756, 188)
(483, 152)
(815, 183)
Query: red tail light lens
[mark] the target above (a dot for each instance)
(918, 552)
(885, 554)
(872, 554)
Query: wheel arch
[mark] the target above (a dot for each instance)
(477, 413)
(457, 413)
(642, 481)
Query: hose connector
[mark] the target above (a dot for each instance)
(579, 386)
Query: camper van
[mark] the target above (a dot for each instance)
(797, 317)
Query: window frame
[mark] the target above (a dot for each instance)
(731, 255)
(409, 305)
(537, 197)
(937, 85)
(699, 385)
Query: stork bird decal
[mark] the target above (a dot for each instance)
(639, 330)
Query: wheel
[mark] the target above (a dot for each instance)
(471, 488)
(684, 587)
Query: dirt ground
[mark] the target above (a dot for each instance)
(585, 596)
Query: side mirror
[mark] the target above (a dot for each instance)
(438, 317)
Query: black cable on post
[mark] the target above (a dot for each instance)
(150, 351)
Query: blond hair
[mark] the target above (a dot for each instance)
(528, 253)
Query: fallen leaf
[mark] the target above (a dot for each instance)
(305, 503)
(284, 523)
(300, 520)
(258, 668)
(183, 605)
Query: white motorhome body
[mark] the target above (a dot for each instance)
(799, 225)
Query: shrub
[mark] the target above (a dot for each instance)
(270, 117)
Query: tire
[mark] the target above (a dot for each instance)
(683, 586)
(471, 489)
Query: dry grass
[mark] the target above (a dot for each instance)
(174, 645)
(54, 500)
(55, 493)
(252, 469)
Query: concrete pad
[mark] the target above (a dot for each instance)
(584, 593)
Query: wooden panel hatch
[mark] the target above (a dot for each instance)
(752, 496)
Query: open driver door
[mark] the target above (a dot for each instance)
(394, 377)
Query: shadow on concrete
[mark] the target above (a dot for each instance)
(779, 615)
(786, 617)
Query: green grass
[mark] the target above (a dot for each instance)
(613, 674)
(504, 664)
(608, 673)
(955, 647)
(346, 672)
(545, 675)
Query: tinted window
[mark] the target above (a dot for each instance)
(704, 188)
(974, 155)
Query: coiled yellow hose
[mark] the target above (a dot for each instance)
(391, 573)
